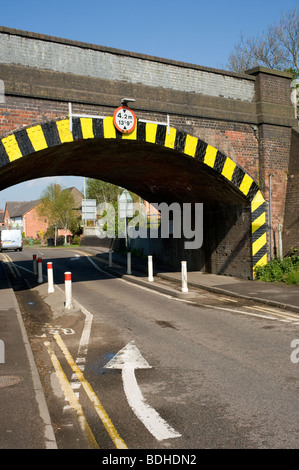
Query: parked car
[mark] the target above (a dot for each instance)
(11, 240)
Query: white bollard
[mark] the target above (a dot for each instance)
(110, 258)
(68, 290)
(184, 276)
(34, 265)
(150, 268)
(2, 352)
(129, 271)
(40, 270)
(50, 278)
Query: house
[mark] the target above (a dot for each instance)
(1, 219)
(23, 215)
(78, 196)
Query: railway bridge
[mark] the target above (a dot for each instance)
(205, 135)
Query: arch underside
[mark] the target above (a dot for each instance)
(160, 164)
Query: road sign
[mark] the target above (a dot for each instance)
(124, 119)
(89, 209)
(125, 205)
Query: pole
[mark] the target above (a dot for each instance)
(68, 290)
(129, 271)
(184, 276)
(270, 219)
(34, 265)
(150, 268)
(127, 236)
(39, 270)
(110, 258)
(279, 242)
(50, 278)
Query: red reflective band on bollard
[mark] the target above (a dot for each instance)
(68, 290)
(39, 260)
(34, 256)
(50, 278)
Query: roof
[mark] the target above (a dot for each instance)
(78, 196)
(17, 209)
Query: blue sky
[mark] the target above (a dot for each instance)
(194, 31)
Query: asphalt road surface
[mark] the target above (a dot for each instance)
(127, 367)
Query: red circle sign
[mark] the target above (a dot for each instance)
(124, 119)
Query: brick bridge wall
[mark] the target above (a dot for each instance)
(248, 117)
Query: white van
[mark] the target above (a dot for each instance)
(11, 240)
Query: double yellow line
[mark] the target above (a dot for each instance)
(73, 400)
(288, 317)
(13, 268)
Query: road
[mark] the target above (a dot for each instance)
(213, 372)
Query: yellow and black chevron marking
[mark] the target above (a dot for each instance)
(53, 133)
(259, 230)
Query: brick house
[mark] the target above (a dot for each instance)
(23, 215)
(2, 219)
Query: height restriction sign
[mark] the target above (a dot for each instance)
(124, 119)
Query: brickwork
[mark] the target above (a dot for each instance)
(275, 142)
(291, 220)
(33, 224)
(83, 59)
(236, 140)
(273, 88)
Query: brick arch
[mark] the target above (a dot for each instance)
(53, 133)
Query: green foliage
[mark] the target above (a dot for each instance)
(105, 192)
(57, 206)
(292, 278)
(76, 240)
(285, 270)
(102, 191)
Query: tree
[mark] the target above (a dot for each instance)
(276, 48)
(105, 192)
(58, 207)
(102, 191)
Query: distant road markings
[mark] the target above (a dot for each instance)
(128, 359)
(287, 316)
(118, 442)
(13, 268)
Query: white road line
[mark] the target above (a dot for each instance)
(85, 336)
(259, 315)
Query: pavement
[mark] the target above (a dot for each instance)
(275, 295)
(24, 417)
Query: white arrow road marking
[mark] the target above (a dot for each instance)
(128, 359)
